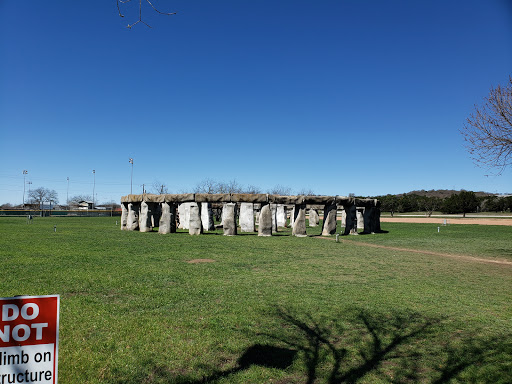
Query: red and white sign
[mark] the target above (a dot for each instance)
(29, 339)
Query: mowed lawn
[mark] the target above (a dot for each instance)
(150, 308)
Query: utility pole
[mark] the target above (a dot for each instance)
(24, 174)
(93, 187)
(67, 194)
(130, 160)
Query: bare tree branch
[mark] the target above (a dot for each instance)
(140, 12)
(488, 130)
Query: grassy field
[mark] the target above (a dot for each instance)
(135, 309)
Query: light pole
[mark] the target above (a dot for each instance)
(93, 187)
(67, 194)
(131, 178)
(24, 175)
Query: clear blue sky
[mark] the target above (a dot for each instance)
(340, 97)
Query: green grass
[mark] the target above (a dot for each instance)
(279, 309)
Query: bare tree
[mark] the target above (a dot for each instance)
(280, 190)
(42, 195)
(206, 186)
(488, 130)
(159, 188)
(306, 192)
(140, 12)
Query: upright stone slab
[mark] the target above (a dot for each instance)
(247, 217)
(329, 223)
(207, 217)
(281, 216)
(124, 216)
(343, 217)
(299, 220)
(184, 215)
(351, 220)
(265, 221)
(273, 208)
(369, 221)
(167, 222)
(313, 218)
(145, 218)
(360, 218)
(292, 216)
(229, 219)
(132, 223)
(195, 227)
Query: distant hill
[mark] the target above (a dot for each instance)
(442, 193)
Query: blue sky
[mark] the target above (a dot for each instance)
(340, 97)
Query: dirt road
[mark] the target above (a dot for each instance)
(438, 220)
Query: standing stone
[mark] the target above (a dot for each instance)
(292, 216)
(368, 217)
(376, 217)
(247, 217)
(207, 217)
(132, 223)
(313, 218)
(351, 220)
(124, 216)
(273, 208)
(281, 216)
(265, 221)
(329, 223)
(343, 217)
(195, 226)
(167, 222)
(229, 219)
(184, 215)
(360, 219)
(145, 218)
(299, 220)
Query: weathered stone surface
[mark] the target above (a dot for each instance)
(249, 198)
(212, 198)
(207, 216)
(184, 215)
(265, 221)
(281, 216)
(195, 227)
(132, 223)
(329, 223)
(277, 199)
(360, 219)
(229, 219)
(247, 217)
(273, 208)
(321, 200)
(351, 220)
(343, 216)
(369, 221)
(167, 222)
(179, 198)
(299, 221)
(376, 217)
(292, 216)
(145, 218)
(314, 219)
(124, 216)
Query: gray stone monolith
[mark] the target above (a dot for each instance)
(145, 218)
(377, 220)
(195, 227)
(265, 221)
(299, 220)
(292, 217)
(247, 217)
(281, 216)
(360, 218)
(124, 216)
(229, 219)
(369, 221)
(167, 222)
(132, 223)
(184, 215)
(273, 208)
(343, 217)
(329, 222)
(350, 220)
(313, 218)
(207, 217)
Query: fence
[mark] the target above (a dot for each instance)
(60, 213)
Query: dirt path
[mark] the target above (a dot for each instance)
(431, 253)
(438, 220)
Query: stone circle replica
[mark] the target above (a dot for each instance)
(194, 211)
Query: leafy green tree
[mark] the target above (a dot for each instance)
(462, 202)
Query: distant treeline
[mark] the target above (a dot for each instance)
(445, 202)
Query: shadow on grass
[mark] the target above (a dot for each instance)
(383, 347)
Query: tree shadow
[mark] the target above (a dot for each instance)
(395, 347)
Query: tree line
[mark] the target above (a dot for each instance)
(460, 202)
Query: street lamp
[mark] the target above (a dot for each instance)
(93, 187)
(67, 194)
(130, 160)
(24, 175)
